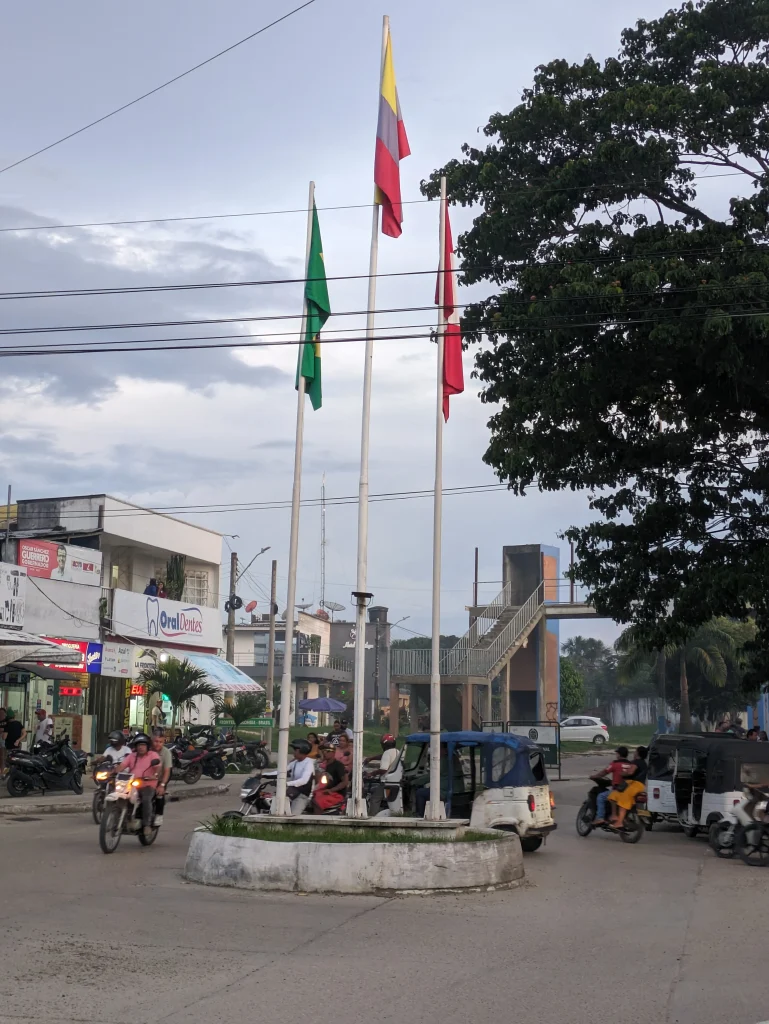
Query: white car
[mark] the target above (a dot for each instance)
(587, 730)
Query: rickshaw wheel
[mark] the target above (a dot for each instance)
(531, 844)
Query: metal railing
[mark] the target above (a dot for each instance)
(525, 615)
(306, 659)
(484, 622)
(474, 661)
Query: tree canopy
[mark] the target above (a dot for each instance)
(625, 348)
(572, 689)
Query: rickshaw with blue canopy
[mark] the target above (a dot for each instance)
(494, 780)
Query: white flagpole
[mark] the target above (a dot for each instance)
(435, 809)
(358, 808)
(281, 806)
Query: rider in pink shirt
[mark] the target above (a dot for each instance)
(140, 764)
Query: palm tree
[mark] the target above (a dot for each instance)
(239, 709)
(180, 682)
(710, 649)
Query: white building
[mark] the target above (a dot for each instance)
(93, 562)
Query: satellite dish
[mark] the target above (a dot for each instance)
(334, 606)
(250, 606)
(303, 607)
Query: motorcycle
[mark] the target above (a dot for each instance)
(122, 813)
(258, 792)
(382, 799)
(727, 835)
(190, 765)
(58, 766)
(103, 777)
(257, 754)
(636, 820)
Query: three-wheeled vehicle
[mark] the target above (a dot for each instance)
(707, 775)
(661, 801)
(496, 780)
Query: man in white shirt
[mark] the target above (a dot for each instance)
(118, 748)
(299, 777)
(44, 728)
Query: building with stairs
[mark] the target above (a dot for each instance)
(513, 643)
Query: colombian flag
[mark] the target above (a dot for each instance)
(392, 146)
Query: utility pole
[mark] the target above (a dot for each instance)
(231, 610)
(271, 648)
(6, 554)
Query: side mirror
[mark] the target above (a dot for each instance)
(155, 761)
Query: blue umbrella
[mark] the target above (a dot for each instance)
(321, 704)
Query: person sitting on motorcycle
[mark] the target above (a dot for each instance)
(140, 764)
(166, 764)
(299, 777)
(635, 783)
(117, 749)
(618, 769)
(331, 782)
(389, 760)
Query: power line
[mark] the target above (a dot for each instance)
(597, 259)
(664, 293)
(157, 88)
(323, 209)
(543, 323)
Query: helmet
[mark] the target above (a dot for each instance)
(141, 737)
(301, 746)
(387, 741)
(116, 737)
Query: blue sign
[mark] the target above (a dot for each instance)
(93, 659)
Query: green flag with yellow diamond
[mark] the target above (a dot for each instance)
(318, 312)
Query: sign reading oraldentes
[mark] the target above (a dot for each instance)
(65, 562)
(158, 619)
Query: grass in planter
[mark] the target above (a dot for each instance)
(236, 829)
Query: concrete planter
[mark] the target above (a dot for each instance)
(354, 867)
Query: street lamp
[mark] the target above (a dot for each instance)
(242, 571)
(400, 620)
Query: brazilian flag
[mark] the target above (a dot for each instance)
(318, 312)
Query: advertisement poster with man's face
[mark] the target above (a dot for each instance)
(64, 562)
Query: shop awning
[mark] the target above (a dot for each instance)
(222, 674)
(27, 648)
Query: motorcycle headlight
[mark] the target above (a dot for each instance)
(324, 780)
(101, 776)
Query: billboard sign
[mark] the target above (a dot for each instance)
(64, 562)
(158, 619)
(13, 584)
(90, 655)
(117, 660)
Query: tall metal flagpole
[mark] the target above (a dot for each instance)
(293, 547)
(358, 808)
(435, 808)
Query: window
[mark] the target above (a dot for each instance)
(502, 762)
(196, 587)
(412, 752)
(537, 766)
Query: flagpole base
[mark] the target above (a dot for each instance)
(440, 812)
(357, 808)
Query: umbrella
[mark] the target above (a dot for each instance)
(321, 704)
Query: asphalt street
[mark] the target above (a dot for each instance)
(661, 932)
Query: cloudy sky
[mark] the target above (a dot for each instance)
(246, 133)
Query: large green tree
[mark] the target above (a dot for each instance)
(572, 689)
(596, 663)
(623, 220)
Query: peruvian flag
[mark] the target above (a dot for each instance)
(453, 377)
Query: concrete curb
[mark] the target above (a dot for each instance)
(83, 804)
(355, 868)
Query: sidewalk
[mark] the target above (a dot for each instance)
(66, 802)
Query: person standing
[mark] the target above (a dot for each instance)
(44, 727)
(151, 590)
(158, 715)
(15, 733)
(2, 740)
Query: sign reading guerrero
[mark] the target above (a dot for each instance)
(60, 562)
(159, 619)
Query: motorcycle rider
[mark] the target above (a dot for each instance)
(333, 792)
(117, 749)
(140, 763)
(618, 769)
(390, 770)
(299, 777)
(166, 764)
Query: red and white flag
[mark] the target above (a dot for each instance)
(453, 377)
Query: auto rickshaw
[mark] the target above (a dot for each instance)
(663, 750)
(494, 780)
(710, 772)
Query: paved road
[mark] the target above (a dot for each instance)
(678, 935)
